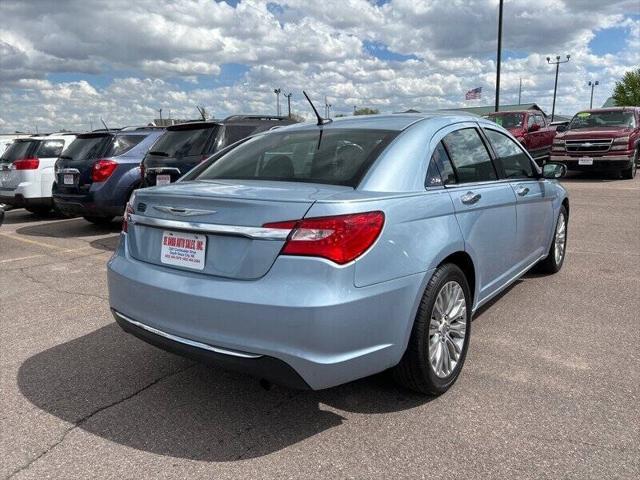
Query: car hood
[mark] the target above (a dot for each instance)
(592, 133)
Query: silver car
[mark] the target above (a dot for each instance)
(314, 255)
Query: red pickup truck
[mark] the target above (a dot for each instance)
(531, 128)
(601, 139)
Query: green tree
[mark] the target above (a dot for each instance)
(627, 91)
(366, 111)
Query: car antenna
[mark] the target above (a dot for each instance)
(105, 125)
(202, 112)
(321, 121)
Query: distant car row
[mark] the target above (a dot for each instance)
(600, 140)
(93, 174)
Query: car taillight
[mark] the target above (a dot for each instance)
(31, 163)
(102, 170)
(340, 238)
(128, 210)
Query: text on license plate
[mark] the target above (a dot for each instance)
(585, 161)
(163, 179)
(68, 179)
(183, 249)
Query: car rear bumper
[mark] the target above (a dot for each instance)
(18, 200)
(322, 327)
(84, 205)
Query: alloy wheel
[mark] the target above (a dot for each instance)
(447, 329)
(561, 239)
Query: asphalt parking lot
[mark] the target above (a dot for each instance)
(550, 389)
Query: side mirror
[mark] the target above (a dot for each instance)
(561, 128)
(553, 171)
(534, 128)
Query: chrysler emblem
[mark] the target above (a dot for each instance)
(183, 212)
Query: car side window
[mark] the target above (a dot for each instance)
(440, 171)
(540, 121)
(531, 121)
(50, 148)
(514, 161)
(469, 156)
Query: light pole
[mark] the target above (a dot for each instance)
(557, 63)
(592, 85)
(499, 55)
(288, 97)
(277, 92)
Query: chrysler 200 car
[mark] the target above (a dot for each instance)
(314, 255)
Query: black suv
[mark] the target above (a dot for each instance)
(184, 146)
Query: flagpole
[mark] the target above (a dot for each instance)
(499, 56)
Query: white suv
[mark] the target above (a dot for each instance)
(27, 171)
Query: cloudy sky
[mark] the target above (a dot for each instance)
(64, 64)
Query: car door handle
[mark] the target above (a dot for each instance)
(470, 198)
(522, 191)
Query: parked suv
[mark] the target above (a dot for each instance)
(532, 130)
(184, 146)
(26, 171)
(601, 139)
(98, 172)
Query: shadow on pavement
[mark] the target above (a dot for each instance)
(575, 176)
(113, 385)
(77, 227)
(108, 244)
(19, 215)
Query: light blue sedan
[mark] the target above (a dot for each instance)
(314, 255)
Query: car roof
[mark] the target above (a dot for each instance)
(611, 109)
(393, 122)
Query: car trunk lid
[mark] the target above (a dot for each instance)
(226, 216)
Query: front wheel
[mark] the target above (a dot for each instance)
(99, 220)
(440, 336)
(630, 172)
(555, 257)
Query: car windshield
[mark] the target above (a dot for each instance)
(613, 118)
(89, 147)
(17, 150)
(183, 142)
(333, 156)
(508, 120)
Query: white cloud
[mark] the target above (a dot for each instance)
(158, 50)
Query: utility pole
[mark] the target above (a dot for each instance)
(520, 91)
(499, 55)
(277, 91)
(160, 112)
(557, 63)
(91, 124)
(592, 85)
(354, 109)
(288, 97)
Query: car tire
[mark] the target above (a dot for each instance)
(434, 337)
(99, 220)
(38, 210)
(630, 173)
(553, 262)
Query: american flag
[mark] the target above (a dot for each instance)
(474, 94)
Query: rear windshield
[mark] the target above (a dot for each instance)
(18, 150)
(508, 120)
(87, 147)
(50, 148)
(334, 156)
(603, 119)
(123, 143)
(234, 133)
(183, 143)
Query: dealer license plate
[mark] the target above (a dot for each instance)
(163, 179)
(183, 249)
(585, 161)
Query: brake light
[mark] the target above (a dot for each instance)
(31, 163)
(128, 210)
(340, 238)
(102, 170)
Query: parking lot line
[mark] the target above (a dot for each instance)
(22, 258)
